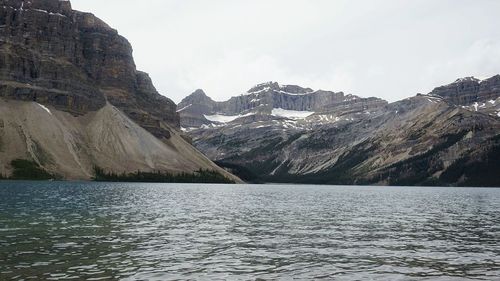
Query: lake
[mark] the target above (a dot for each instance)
(101, 231)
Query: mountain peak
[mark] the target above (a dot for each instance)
(465, 91)
(275, 86)
(198, 97)
(199, 92)
(264, 86)
(466, 80)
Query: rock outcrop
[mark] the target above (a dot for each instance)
(56, 56)
(263, 98)
(466, 91)
(194, 108)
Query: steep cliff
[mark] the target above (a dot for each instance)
(466, 91)
(71, 98)
(54, 55)
(194, 108)
(197, 109)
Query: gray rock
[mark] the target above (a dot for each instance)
(434, 139)
(74, 61)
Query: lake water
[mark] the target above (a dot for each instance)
(101, 231)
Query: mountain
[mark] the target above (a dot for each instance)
(281, 133)
(72, 98)
(468, 90)
(269, 99)
(473, 94)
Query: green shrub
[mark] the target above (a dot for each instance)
(29, 170)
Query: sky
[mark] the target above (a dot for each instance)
(391, 49)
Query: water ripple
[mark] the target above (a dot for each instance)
(102, 231)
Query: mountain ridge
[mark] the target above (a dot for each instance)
(265, 97)
(429, 139)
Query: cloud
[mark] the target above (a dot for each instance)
(391, 48)
(481, 59)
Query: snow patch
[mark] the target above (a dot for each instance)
(467, 79)
(328, 118)
(225, 118)
(43, 11)
(57, 14)
(292, 114)
(491, 101)
(350, 98)
(281, 90)
(476, 105)
(294, 94)
(262, 126)
(45, 108)
(185, 107)
(188, 129)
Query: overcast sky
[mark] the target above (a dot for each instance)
(387, 48)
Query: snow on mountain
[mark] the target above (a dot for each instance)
(184, 108)
(291, 114)
(45, 108)
(467, 79)
(225, 118)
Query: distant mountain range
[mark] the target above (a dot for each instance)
(286, 133)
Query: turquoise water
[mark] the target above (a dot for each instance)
(101, 231)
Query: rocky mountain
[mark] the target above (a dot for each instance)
(473, 94)
(82, 71)
(469, 90)
(276, 133)
(76, 62)
(269, 99)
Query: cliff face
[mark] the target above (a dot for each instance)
(194, 107)
(466, 91)
(71, 98)
(264, 98)
(74, 61)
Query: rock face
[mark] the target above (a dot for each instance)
(74, 61)
(448, 137)
(194, 107)
(102, 110)
(466, 91)
(264, 98)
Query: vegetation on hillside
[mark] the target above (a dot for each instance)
(200, 176)
(28, 170)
